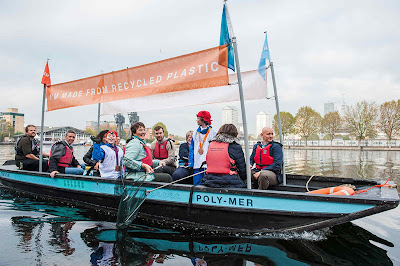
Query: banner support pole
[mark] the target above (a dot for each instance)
(41, 130)
(243, 111)
(98, 118)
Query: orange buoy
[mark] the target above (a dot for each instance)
(340, 190)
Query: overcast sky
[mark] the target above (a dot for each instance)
(323, 51)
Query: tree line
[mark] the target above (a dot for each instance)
(360, 121)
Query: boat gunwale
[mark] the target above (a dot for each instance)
(232, 191)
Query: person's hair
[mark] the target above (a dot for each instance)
(204, 121)
(135, 126)
(70, 131)
(189, 133)
(101, 134)
(157, 128)
(28, 126)
(228, 129)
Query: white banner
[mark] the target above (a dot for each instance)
(254, 88)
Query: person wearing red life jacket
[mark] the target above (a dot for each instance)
(163, 149)
(138, 158)
(62, 158)
(226, 166)
(267, 159)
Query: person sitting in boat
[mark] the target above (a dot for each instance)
(88, 159)
(163, 149)
(198, 148)
(109, 156)
(27, 151)
(138, 158)
(226, 166)
(184, 150)
(268, 159)
(62, 158)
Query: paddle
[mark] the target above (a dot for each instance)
(131, 202)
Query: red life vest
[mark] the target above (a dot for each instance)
(218, 160)
(66, 159)
(263, 157)
(160, 150)
(148, 159)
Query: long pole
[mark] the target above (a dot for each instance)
(278, 114)
(98, 118)
(246, 137)
(42, 130)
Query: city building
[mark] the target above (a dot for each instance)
(53, 134)
(329, 107)
(262, 121)
(14, 118)
(230, 115)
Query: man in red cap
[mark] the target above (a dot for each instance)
(198, 148)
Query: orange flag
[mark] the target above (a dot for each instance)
(46, 75)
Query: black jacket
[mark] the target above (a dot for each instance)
(58, 150)
(235, 151)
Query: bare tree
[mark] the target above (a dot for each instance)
(287, 123)
(361, 119)
(331, 124)
(307, 122)
(389, 120)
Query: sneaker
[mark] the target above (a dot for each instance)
(21, 166)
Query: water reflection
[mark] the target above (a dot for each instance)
(342, 245)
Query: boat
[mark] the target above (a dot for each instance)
(283, 208)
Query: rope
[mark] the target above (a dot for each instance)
(383, 185)
(309, 182)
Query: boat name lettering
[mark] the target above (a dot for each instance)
(73, 183)
(222, 249)
(235, 201)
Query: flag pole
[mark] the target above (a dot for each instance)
(243, 111)
(278, 115)
(98, 118)
(41, 130)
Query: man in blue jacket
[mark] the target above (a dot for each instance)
(268, 159)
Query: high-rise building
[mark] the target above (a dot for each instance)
(262, 121)
(329, 107)
(230, 115)
(14, 118)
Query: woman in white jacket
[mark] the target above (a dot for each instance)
(110, 156)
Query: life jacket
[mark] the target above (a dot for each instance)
(148, 159)
(160, 150)
(66, 159)
(35, 149)
(218, 160)
(263, 157)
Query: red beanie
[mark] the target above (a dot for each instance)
(205, 115)
(115, 133)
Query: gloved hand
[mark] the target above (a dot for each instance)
(95, 140)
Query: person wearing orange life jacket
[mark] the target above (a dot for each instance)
(268, 159)
(138, 158)
(62, 158)
(163, 149)
(226, 166)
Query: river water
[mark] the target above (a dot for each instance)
(40, 233)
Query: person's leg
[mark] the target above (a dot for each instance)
(180, 173)
(266, 179)
(165, 169)
(73, 171)
(30, 165)
(198, 177)
(162, 177)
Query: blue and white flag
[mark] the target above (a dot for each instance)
(226, 32)
(264, 58)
